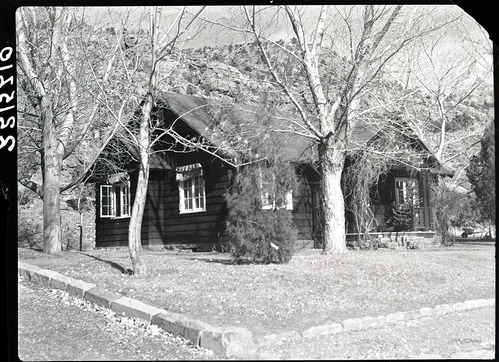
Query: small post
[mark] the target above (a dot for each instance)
(81, 231)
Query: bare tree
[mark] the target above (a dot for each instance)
(57, 107)
(448, 81)
(162, 45)
(449, 74)
(337, 92)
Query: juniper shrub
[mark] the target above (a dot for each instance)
(259, 226)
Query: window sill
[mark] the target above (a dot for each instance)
(115, 217)
(191, 211)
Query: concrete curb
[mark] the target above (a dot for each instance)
(229, 342)
(352, 324)
(477, 354)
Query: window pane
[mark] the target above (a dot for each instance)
(192, 194)
(107, 201)
(267, 199)
(187, 186)
(199, 192)
(125, 201)
(407, 191)
(289, 200)
(199, 202)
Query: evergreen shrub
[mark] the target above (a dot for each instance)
(254, 233)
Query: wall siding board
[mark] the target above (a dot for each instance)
(302, 204)
(109, 231)
(165, 222)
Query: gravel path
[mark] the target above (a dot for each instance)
(53, 325)
(431, 337)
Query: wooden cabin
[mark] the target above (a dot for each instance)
(185, 201)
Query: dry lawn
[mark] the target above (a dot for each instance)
(311, 290)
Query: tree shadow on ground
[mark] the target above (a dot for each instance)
(234, 262)
(219, 261)
(115, 265)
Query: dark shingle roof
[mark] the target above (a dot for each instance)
(193, 110)
(156, 159)
(203, 115)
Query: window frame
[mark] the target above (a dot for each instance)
(111, 205)
(118, 196)
(288, 203)
(194, 187)
(266, 195)
(125, 200)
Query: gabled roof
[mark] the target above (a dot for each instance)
(156, 161)
(203, 115)
(193, 110)
(367, 132)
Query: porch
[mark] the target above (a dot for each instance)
(400, 212)
(400, 202)
(397, 218)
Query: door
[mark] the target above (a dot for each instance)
(406, 192)
(407, 202)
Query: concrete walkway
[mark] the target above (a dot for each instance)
(233, 341)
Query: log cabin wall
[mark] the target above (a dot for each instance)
(302, 208)
(163, 224)
(306, 208)
(167, 225)
(113, 232)
(110, 232)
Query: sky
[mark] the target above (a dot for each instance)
(212, 35)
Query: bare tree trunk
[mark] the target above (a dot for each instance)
(52, 240)
(332, 200)
(147, 136)
(53, 146)
(135, 228)
(443, 125)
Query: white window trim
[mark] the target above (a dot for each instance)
(288, 204)
(182, 181)
(289, 200)
(113, 206)
(125, 200)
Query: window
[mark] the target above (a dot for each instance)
(191, 188)
(272, 202)
(407, 191)
(125, 200)
(107, 201)
(271, 198)
(115, 200)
